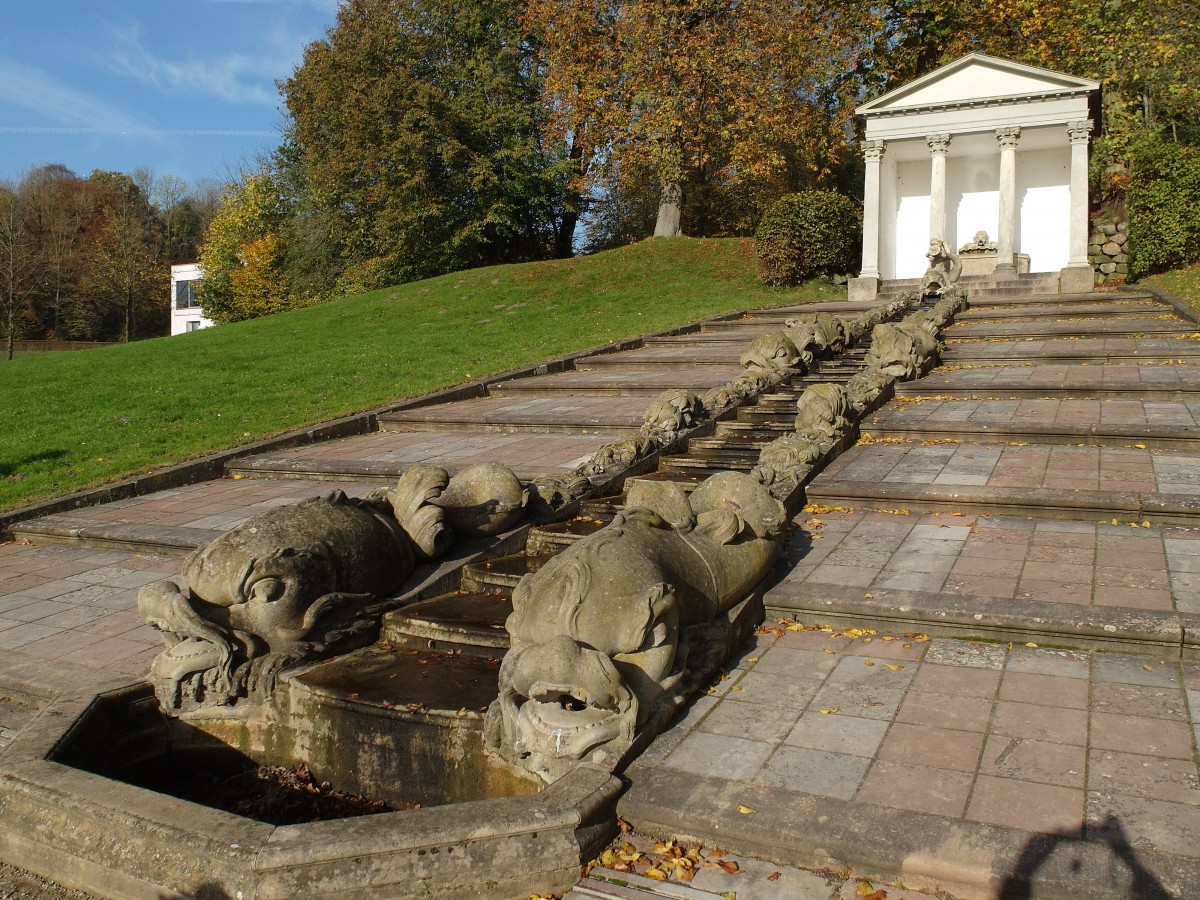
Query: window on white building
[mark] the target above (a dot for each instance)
(193, 325)
(185, 295)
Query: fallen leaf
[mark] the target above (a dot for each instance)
(827, 650)
(868, 596)
(745, 811)
(774, 876)
(829, 711)
(729, 866)
(867, 662)
(894, 667)
(1148, 668)
(656, 874)
(1031, 644)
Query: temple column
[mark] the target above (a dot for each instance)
(866, 285)
(1078, 277)
(1007, 225)
(873, 153)
(939, 146)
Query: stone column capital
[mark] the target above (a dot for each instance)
(938, 143)
(1079, 131)
(1007, 138)
(873, 149)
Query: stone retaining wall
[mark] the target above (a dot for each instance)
(1108, 251)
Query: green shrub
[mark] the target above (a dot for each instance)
(807, 234)
(1162, 204)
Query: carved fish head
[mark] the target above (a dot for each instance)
(590, 658)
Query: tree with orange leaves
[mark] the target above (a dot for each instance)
(697, 91)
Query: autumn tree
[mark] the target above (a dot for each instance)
(61, 206)
(689, 93)
(241, 258)
(416, 133)
(125, 270)
(18, 263)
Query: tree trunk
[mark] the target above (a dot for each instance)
(670, 211)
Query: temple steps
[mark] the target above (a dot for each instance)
(1160, 437)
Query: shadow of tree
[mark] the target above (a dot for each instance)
(8, 468)
(206, 891)
(1019, 885)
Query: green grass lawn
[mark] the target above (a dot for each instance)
(1183, 283)
(75, 420)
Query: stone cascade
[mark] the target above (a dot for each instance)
(261, 662)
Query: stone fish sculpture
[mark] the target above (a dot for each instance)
(288, 583)
(605, 635)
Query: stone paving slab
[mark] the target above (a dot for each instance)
(538, 414)
(78, 606)
(964, 765)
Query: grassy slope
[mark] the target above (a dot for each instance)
(1183, 283)
(73, 420)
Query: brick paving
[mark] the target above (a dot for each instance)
(1028, 738)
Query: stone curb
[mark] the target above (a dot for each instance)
(212, 465)
(1180, 305)
(923, 851)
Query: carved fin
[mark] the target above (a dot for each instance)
(421, 520)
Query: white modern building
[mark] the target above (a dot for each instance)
(186, 314)
(981, 144)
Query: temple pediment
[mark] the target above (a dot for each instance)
(977, 79)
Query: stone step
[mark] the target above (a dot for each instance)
(501, 572)
(1066, 504)
(1073, 389)
(67, 529)
(539, 415)
(1094, 352)
(284, 466)
(1112, 309)
(758, 433)
(1159, 437)
(556, 537)
(619, 382)
(712, 353)
(716, 461)
(1049, 330)
(471, 618)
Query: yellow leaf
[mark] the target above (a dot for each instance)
(867, 662)
(745, 811)
(656, 874)
(829, 711)
(869, 596)
(827, 650)
(1031, 644)
(1140, 446)
(864, 888)
(894, 667)
(1148, 668)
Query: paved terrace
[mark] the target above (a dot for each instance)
(979, 667)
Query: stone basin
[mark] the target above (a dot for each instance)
(71, 813)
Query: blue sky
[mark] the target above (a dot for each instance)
(184, 87)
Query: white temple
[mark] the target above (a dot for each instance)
(979, 145)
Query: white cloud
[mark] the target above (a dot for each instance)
(39, 92)
(234, 78)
